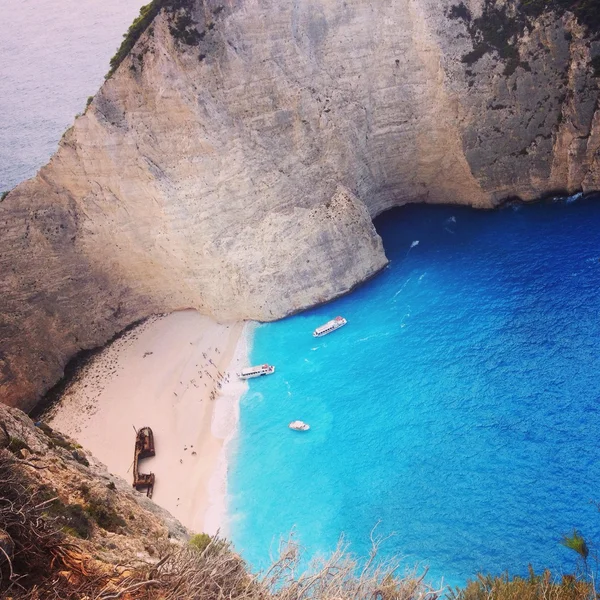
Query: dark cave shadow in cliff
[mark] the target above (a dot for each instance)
(72, 372)
(401, 226)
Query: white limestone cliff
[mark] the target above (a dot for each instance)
(239, 176)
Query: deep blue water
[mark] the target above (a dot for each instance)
(459, 407)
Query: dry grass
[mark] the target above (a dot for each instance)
(32, 545)
(39, 562)
(535, 587)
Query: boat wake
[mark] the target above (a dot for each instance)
(401, 289)
(415, 243)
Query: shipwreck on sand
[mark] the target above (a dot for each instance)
(144, 448)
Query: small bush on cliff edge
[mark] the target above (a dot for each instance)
(200, 541)
(204, 543)
(534, 587)
(147, 14)
(104, 515)
(71, 517)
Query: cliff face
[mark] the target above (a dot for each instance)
(236, 169)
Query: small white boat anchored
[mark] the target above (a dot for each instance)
(299, 426)
(329, 326)
(258, 371)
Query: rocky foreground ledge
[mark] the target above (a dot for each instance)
(101, 513)
(233, 160)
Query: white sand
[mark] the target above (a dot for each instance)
(176, 374)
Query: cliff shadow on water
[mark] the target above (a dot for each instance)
(402, 227)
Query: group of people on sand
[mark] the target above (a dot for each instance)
(220, 378)
(218, 381)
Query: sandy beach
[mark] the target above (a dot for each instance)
(176, 374)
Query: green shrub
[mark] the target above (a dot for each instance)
(3, 195)
(184, 31)
(139, 25)
(200, 541)
(534, 587)
(104, 515)
(577, 543)
(56, 439)
(212, 546)
(15, 445)
(72, 519)
(183, 28)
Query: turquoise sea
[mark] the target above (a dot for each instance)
(458, 409)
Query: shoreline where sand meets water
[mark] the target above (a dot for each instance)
(175, 374)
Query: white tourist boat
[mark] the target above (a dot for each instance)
(329, 326)
(299, 426)
(258, 371)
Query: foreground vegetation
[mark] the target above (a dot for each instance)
(41, 560)
(534, 587)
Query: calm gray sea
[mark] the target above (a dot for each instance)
(53, 55)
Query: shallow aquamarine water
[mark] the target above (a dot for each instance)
(458, 408)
